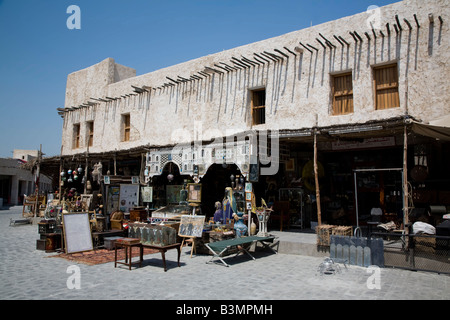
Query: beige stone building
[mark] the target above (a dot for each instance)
(16, 180)
(357, 84)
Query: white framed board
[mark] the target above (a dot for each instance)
(77, 232)
(129, 197)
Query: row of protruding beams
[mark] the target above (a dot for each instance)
(264, 57)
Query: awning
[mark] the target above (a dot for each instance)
(438, 129)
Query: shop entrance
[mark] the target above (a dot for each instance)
(214, 182)
(167, 186)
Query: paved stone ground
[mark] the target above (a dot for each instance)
(27, 273)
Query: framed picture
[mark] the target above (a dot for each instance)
(194, 192)
(191, 226)
(290, 165)
(134, 180)
(248, 187)
(147, 194)
(129, 197)
(106, 180)
(248, 196)
(86, 200)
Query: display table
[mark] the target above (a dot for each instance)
(128, 244)
(163, 250)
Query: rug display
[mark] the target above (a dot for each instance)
(100, 256)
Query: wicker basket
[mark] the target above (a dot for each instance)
(323, 234)
(425, 244)
(325, 231)
(342, 231)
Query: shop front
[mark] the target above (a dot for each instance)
(359, 177)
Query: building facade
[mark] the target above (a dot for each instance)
(358, 86)
(16, 180)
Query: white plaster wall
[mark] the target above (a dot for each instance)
(298, 90)
(11, 167)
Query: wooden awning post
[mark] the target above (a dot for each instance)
(37, 177)
(61, 168)
(405, 179)
(316, 177)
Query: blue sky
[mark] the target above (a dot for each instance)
(38, 51)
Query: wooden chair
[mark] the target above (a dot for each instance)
(117, 218)
(29, 203)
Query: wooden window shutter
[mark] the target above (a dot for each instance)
(90, 127)
(259, 107)
(342, 94)
(126, 127)
(386, 87)
(76, 130)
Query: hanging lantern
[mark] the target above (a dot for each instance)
(170, 175)
(63, 173)
(80, 169)
(70, 180)
(69, 172)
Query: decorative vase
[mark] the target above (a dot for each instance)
(253, 229)
(239, 226)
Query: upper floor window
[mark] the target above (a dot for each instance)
(258, 106)
(385, 80)
(90, 132)
(342, 92)
(126, 127)
(76, 136)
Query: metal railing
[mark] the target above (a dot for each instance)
(418, 252)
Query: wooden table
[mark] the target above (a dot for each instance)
(163, 250)
(128, 244)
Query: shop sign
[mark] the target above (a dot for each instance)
(366, 143)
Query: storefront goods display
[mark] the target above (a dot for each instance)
(138, 214)
(172, 211)
(239, 226)
(49, 242)
(156, 235)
